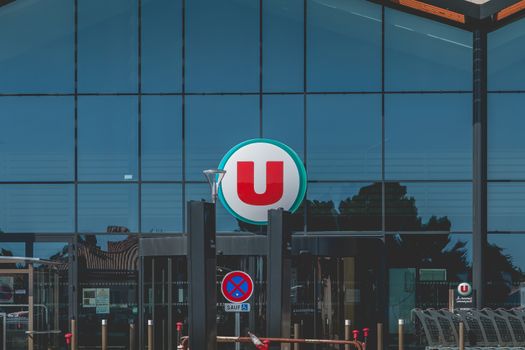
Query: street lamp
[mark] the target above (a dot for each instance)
(214, 177)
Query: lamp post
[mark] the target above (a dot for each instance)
(214, 177)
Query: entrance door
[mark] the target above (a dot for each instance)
(328, 289)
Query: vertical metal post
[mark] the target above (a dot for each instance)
(296, 335)
(278, 274)
(202, 261)
(31, 314)
(104, 332)
(479, 182)
(401, 331)
(74, 340)
(237, 329)
(131, 336)
(451, 300)
(461, 344)
(150, 335)
(348, 332)
(379, 336)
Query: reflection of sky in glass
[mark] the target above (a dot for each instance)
(214, 124)
(107, 45)
(283, 24)
(344, 45)
(283, 120)
(422, 54)
(161, 55)
(14, 249)
(222, 45)
(506, 51)
(506, 144)
(45, 250)
(512, 245)
(344, 137)
(37, 44)
(428, 137)
(37, 138)
(161, 208)
(506, 207)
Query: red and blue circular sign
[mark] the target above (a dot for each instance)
(237, 286)
(261, 174)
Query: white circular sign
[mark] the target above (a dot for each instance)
(261, 174)
(464, 289)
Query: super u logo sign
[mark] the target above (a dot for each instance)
(261, 174)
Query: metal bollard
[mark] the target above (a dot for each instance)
(379, 336)
(451, 300)
(296, 335)
(401, 326)
(132, 336)
(461, 344)
(348, 324)
(150, 334)
(104, 334)
(179, 332)
(74, 334)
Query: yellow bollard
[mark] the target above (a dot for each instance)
(379, 336)
(461, 336)
(150, 334)
(104, 335)
(401, 326)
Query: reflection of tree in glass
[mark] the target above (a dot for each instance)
(501, 275)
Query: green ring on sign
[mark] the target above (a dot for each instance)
(298, 163)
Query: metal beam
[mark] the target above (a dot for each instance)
(202, 260)
(278, 307)
(479, 183)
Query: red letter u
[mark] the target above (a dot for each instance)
(274, 183)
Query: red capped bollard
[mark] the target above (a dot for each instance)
(179, 332)
(356, 334)
(261, 345)
(68, 336)
(365, 335)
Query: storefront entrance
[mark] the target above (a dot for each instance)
(29, 304)
(333, 279)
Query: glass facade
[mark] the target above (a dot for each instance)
(111, 110)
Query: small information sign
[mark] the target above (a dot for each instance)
(236, 307)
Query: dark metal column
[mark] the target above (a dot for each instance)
(479, 225)
(202, 288)
(278, 273)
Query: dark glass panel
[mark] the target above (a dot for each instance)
(428, 137)
(283, 120)
(161, 208)
(107, 45)
(214, 124)
(107, 138)
(428, 206)
(344, 45)
(36, 208)
(505, 271)
(222, 52)
(283, 45)
(506, 205)
(37, 139)
(161, 45)
(12, 249)
(107, 208)
(506, 52)
(344, 207)
(352, 150)
(422, 54)
(161, 138)
(506, 144)
(37, 42)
